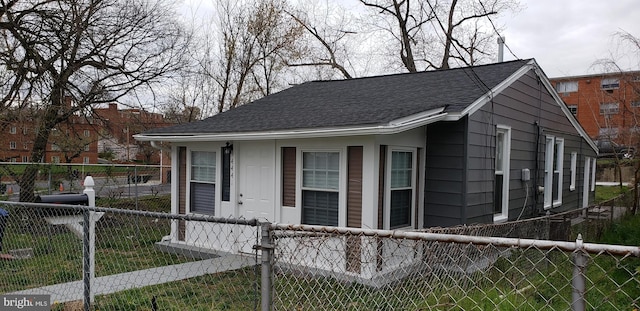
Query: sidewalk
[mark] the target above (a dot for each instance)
(119, 282)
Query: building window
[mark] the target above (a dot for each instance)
(87, 147)
(401, 188)
(501, 182)
(567, 87)
(574, 166)
(203, 182)
(25, 146)
(554, 157)
(635, 103)
(25, 159)
(12, 145)
(608, 132)
(610, 83)
(609, 108)
(14, 160)
(55, 147)
(13, 130)
(85, 160)
(55, 159)
(573, 109)
(320, 188)
(25, 131)
(87, 133)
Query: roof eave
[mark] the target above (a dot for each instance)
(393, 127)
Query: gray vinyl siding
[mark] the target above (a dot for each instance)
(460, 163)
(444, 178)
(520, 107)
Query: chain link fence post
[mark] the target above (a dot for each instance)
(266, 246)
(86, 261)
(578, 280)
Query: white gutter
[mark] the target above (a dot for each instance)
(393, 127)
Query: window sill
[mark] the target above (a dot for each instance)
(500, 219)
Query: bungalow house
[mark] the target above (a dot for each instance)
(482, 144)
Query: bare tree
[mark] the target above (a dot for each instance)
(327, 45)
(624, 127)
(429, 34)
(255, 39)
(94, 51)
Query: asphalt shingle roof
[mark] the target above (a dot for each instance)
(356, 102)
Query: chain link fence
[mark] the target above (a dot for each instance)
(139, 187)
(137, 265)
(322, 268)
(126, 259)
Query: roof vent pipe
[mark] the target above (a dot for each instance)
(500, 49)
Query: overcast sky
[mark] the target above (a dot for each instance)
(567, 36)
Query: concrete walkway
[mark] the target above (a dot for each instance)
(118, 282)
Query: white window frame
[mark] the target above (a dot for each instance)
(87, 133)
(553, 166)
(85, 160)
(25, 159)
(12, 145)
(567, 86)
(215, 182)
(55, 159)
(593, 174)
(505, 172)
(388, 189)
(339, 190)
(574, 166)
(609, 83)
(607, 109)
(13, 130)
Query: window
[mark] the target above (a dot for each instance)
(87, 133)
(55, 147)
(573, 109)
(401, 189)
(593, 175)
(567, 86)
(85, 160)
(12, 145)
(25, 159)
(87, 147)
(14, 160)
(501, 181)
(554, 157)
(203, 182)
(55, 159)
(608, 132)
(574, 164)
(320, 186)
(13, 130)
(635, 103)
(610, 83)
(25, 131)
(609, 108)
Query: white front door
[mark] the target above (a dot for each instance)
(256, 180)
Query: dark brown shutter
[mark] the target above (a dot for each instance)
(381, 175)
(381, 180)
(354, 206)
(182, 190)
(288, 176)
(354, 187)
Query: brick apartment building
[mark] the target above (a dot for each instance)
(80, 139)
(606, 105)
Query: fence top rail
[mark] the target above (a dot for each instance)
(84, 164)
(80, 208)
(591, 248)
